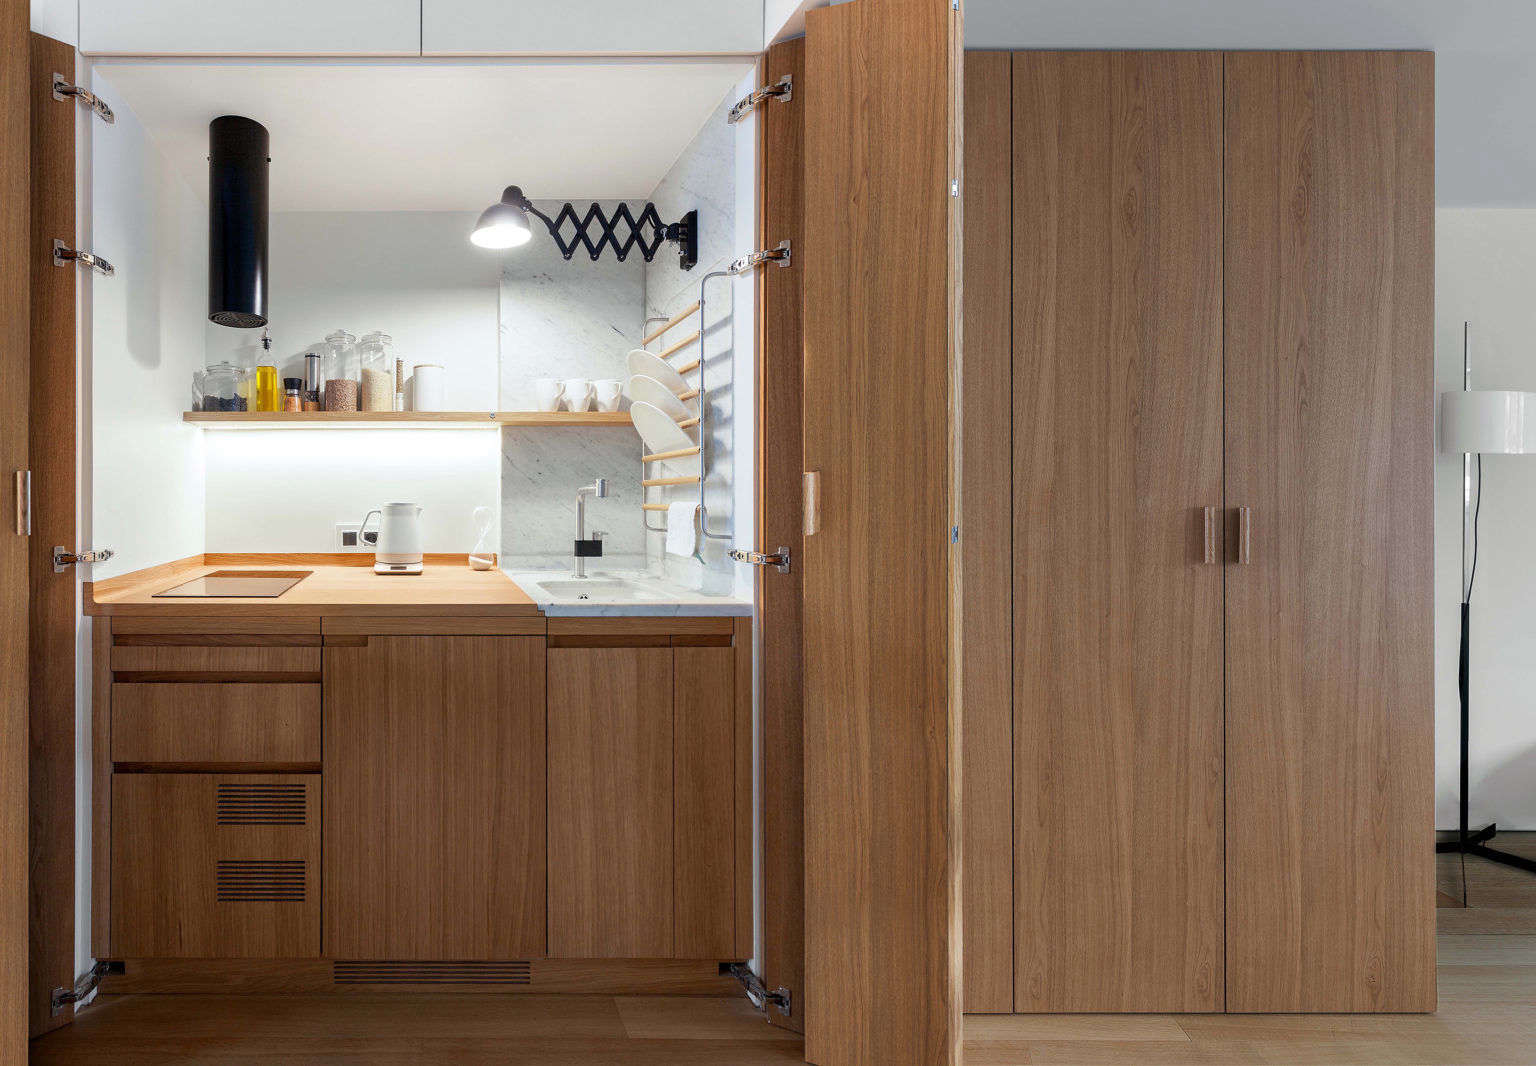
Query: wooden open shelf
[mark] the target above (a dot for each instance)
(400, 419)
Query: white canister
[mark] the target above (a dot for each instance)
(427, 387)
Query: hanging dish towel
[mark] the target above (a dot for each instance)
(682, 532)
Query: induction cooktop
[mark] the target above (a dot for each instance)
(239, 584)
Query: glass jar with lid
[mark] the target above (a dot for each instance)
(376, 359)
(339, 369)
(219, 387)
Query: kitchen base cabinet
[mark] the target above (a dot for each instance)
(434, 797)
(642, 848)
(216, 866)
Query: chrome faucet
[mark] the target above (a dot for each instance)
(587, 549)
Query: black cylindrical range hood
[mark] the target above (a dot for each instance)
(237, 222)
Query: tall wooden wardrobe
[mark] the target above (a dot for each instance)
(1198, 723)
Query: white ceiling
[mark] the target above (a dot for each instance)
(1485, 62)
(433, 136)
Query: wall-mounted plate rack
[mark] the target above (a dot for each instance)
(399, 419)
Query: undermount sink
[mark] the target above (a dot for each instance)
(609, 589)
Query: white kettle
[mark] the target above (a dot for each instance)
(398, 547)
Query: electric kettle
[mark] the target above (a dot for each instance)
(397, 544)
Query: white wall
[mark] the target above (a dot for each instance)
(146, 340)
(1485, 260)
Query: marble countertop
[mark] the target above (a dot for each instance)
(607, 594)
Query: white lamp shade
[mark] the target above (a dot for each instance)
(1488, 421)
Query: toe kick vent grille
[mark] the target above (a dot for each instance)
(262, 804)
(261, 880)
(431, 973)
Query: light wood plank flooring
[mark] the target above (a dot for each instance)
(1487, 1017)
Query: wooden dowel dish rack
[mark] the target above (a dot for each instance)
(669, 323)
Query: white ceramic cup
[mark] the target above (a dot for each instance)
(548, 393)
(427, 387)
(608, 392)
(578, 394)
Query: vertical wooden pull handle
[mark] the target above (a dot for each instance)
(812, 502)
(1244, 535)
(1210, 540)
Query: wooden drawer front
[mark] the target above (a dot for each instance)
(215, 865)
(215, 723)
(216, 663)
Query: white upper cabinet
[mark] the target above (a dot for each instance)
(591, 27)
(244, 28)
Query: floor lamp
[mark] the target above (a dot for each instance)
(1474, 424)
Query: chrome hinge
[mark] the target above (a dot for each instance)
(63, 254)
(779, 255)
(781, 90)
(63, 90)
(954, 187)
(63, 997)
(779, 998)
(63, 557)
(778, 559)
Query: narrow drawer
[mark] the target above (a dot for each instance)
(147, 662)
(215, 723)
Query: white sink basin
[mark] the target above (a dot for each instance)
(602, 590)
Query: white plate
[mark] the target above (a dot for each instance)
(660, 434)
(648, 390)
(649, 364)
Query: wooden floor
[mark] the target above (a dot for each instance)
(1487, 1017)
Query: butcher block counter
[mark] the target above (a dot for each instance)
(338, 586)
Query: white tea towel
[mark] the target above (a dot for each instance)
(682, 533)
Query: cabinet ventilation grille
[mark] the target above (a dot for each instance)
(261, 880)
(432, 973)
(261, 804)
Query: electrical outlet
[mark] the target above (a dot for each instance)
(349, 539)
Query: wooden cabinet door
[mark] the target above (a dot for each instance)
(215, 867)
(1330, 703)
(434, 797)
(1117, 607)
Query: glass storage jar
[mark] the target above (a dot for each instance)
(219, 387)
(339, 369)
(377, 363)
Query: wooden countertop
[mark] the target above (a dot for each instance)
(338, 586)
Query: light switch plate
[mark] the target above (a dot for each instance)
(348, 538)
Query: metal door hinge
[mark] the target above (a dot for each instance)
(63, 557)
(762, 998)
(954, 187)
(22, 482)
(63, 997)
(779, 559)
(63, 254)
(779, 255)
(63, 90)
(781, 90)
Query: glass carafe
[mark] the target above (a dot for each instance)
(340, 371)
(377, 363)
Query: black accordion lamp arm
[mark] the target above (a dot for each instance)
(596, 229)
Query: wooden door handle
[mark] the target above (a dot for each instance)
(1211, 543)
(1244, 535)
(811, 485)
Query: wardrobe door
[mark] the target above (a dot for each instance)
(1330, 315)
(1117, 415)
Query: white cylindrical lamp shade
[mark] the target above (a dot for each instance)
(1488, 421)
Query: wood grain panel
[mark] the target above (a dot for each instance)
(780, 385)
(881, 791)
(611, 827)
(703, 803)
(167, 850)
(162, 659)
(434, 798)
(1330, 702)
(15, 264)
(986, 548)
(1117, 447)
(215, 723)
(743, 791)
(101, 787)
(54, 596)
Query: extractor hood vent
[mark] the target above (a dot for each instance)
(237, 222)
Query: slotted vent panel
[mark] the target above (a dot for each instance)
(413, 972)
(239, 803)
(261, 880)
